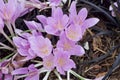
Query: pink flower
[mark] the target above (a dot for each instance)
(42, 47)
(62, 61)
(70, 46)
(31, 71)
(57, 23)
(79, 23)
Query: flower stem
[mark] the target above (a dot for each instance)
(47, 75)
(77, 75)
(68, 75)
(58, 75)
(10, 28)
(7, 38)
(6, 47)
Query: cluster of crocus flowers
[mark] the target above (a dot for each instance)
(52, 42)
(55, 55)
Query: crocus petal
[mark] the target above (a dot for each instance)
(82, 14)
(72, 9)
(70, 64)
(35, 77)
(65, 20)
(48, 62)
(20, 71)
(74, 33)
(42, 19)
(8, 77)
(90, 22)
(78, 50)
(58, 13)
(60, 70)
(32, 25)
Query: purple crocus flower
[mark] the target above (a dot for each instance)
(48, 62)
(31, 72)
(62, 61)
(57, 23)
(79, 23)
(42, 47)
(23, 46)
(69, 46)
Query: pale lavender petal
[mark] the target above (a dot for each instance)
(72, 9)
(23, 52)
(60, 70)
(74, 32)
(58, 13)
(82, 14)
(78, 50)
(90, 22)
(8, 77)
(70, 64)
(35, 77)
(20, 71)
(65, 20)
(42, 19)
(32, 25)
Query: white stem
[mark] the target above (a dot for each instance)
(10, 28)
(39, 64)
(58, 75)
(7, 38)
(68, 75)
(47, 75)
(42, 70)
(7, 47)
(77, 75)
